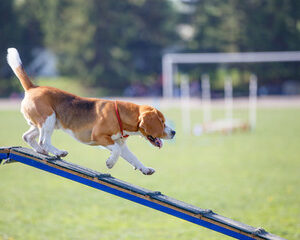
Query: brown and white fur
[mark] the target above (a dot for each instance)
(89, 120)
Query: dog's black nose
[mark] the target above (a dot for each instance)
(173, 133)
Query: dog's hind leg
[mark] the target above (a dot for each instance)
(30, 138)
(45, 137)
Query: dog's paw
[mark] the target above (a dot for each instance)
(148, 171)
(41, 151)
(61, 153)
(110, 162)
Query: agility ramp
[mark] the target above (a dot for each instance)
(152, 199)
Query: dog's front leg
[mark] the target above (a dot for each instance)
(115, 153)
(132, 159)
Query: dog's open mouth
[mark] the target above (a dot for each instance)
(157, 142)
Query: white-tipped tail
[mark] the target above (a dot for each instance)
(13, 58)
(15, 63)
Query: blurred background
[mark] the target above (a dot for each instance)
(116, 48)
(237, 147)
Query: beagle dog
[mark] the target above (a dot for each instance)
(92, 121)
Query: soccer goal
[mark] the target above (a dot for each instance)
(170, 64)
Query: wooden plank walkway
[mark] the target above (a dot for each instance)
(153, 199)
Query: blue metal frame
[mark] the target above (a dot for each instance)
(142, 201)
(3, 156)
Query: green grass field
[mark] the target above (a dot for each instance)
(252, 177)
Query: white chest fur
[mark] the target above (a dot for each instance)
(118, 135)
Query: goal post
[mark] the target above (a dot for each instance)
(170, 64)
(171, 60)
(252, 100)
(185, 104)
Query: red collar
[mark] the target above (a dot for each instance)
(119, 120)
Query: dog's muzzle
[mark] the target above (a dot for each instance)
(170, 133)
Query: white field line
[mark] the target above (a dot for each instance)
(195, 103)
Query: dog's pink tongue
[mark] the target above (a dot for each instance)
(158, 142)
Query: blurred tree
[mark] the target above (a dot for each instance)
(8, 27)
(106, 43)
(218, 26)
(130, 38)
(256, 25)
(114, 43)
(9, 36)
(272, 26)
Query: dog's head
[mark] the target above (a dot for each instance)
(152, 126)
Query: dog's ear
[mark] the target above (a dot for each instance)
(151, 123)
